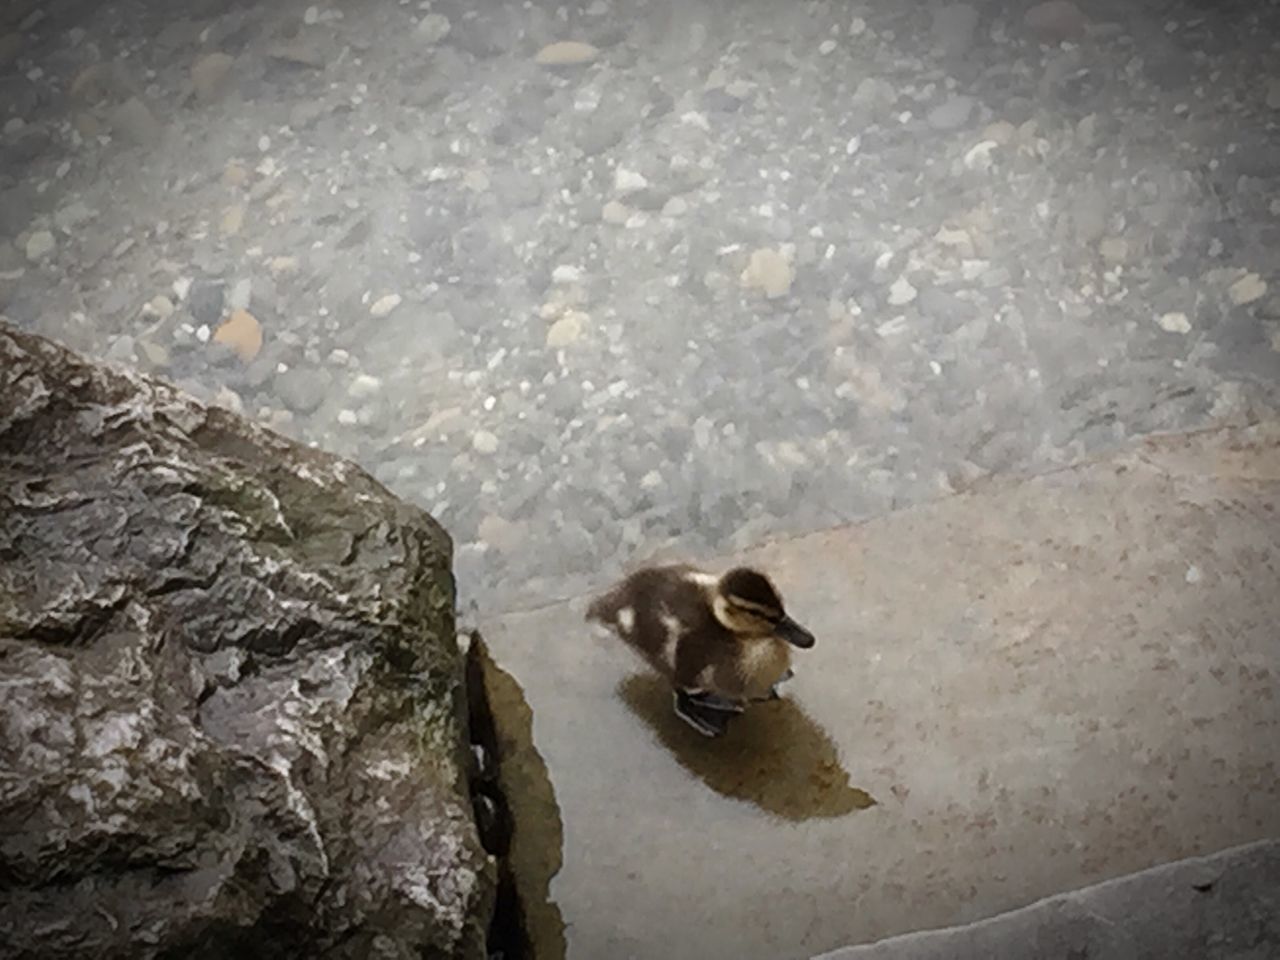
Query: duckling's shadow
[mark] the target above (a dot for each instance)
(773, 755)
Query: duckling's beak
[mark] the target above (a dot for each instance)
(794, 634)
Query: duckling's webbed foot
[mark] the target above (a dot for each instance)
(713, 701)
(707, 720)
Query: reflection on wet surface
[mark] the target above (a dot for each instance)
(773, 755)
(537, 840)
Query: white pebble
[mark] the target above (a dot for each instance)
(384, 305)
(979, 155)
(853, 145)
(628, 181)
(347, 418)
(484, 442)
(1247, 289)
(566, 273)
(1175, 322)
(857, 27)
(827, 46)
(364, 386)
(202, 333)
(264, 143)
(901, 293)
(1193, 574)
(311, 17)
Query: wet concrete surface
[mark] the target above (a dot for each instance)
(1034, 685)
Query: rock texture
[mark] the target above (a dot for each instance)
(232, 720)
(1225, 907)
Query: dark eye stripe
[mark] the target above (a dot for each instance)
(769, 613)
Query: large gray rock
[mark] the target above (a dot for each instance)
(1222, 907)
(231, 719)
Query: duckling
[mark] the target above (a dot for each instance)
(722, 642)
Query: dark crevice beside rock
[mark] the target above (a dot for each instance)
(233, 719)
(508, 936)
(526, 837)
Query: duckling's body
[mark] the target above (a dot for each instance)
(720, 641)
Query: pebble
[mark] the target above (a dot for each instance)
(482, 441)
(347, 417)
(901, 292)
(615, 213)
(160, 307)
(72, 215)
(303, 51)
(1273, 93)
(228, 399)
(675, 207)
(209, 75)
(364, 385)
(566, 330)
(1114, 249)
(952, 114)
(628, 181)
(1002, 132)
(241, 295)
(872, 92)
(433, 28)
(40, 245)
(1055, 21)
(235, 174)
(769, 272)
(960, 240)
(566, 53)
(1175, 322)
(566, 273)
(953, 28)
(122, 349)
(383, 306)
(311, 16)
(232, 220)
(302, 389)
(156, 355)
(134, 121)
(500, 533)
(242, 333)
(1247, 289)
(978, 157)
(92, 84)
(1087, 130)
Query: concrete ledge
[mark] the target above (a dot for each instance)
(1040, 684)
(1225, 906)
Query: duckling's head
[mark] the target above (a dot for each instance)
(747, 604)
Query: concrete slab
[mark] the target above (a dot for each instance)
(1225, 906)
(1035, 685)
